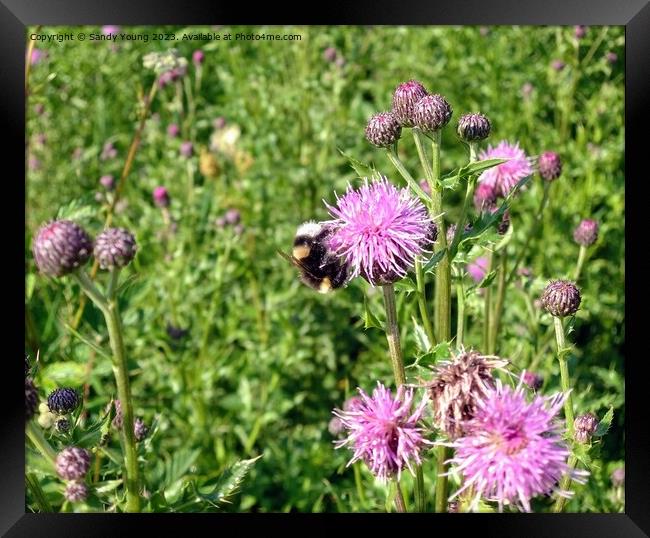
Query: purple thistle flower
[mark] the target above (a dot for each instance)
(197, 57)
(549, 165)
(504, 177)
(558, 65)
(485, 197)
(187, 148)
(232, 216)
(513, 450)
(76, 492)
(172, 130)
(533, 380)
(60, 247)
(618, 477)
(37, 56)
(478, 269)
(611, 57)
(108, 151)
(72, 463)
(110, 29)
(584, 427)
(586, 233)
(330, 54)
(108, 182)
(383, 431)
(579, 31)
(380, 230)
(161, 197)
(140, 429)
(34, 163)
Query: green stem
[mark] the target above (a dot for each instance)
(488, 305)
(441, 481)
(495, 319)
(564, 372)
(419, 138)
(565, 483)
(471, 184)
(399, 166)
(37, 491)
(581, 260)
(392, 335)
(120, 370)
(357, 481)
(36, 437)
(400, 506)
(460, 323)
(532, 233)
(422, 303)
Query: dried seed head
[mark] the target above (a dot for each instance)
(457, 386)
(561, 298)
(60, 247)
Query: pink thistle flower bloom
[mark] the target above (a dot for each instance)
(110, 29)
(37, 56)
(478, 269)
(513, 450)
(384, 432)
(380, 230)
(504, 177)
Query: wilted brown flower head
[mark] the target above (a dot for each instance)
(456, 387)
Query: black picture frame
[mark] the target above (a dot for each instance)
(16, 15)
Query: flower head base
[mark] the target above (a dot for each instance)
(405, 97)
(473, 127)
(561, 298)
(549, 165)
(383, 431)
(383, 130)
(431, 113)
(586, 233)
(72, 463)
(584, 427)
(63, 401)
(380, 230)
(60, 247)
(76, 492)
(115, 248)
(513, 450)
(456, 388)
(504, 177)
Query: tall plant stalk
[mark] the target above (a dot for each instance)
(108, 307)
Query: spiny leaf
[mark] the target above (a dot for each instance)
(369, 319)
(406, 285)
(434, 260)
(363, 169)
(451, 180)
(421, 337)
(78, 210)
(228, 483)
(605, 423)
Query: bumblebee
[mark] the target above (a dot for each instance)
(320, 267)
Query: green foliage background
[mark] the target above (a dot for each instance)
(266, 359)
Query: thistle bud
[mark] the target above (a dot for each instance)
(533, 380)
(584, 427)
(140, 429)
(561, 298)
(432, 113)
(31, 398)
(60, 247)
(405, 97)
(76, 492)
(473, 127)
(161, 197)
(383, 130)
(62, 425)
(63, 401)
(72, 463)
(115, 247)
(586, 233)
(197, 57)
(550, 165)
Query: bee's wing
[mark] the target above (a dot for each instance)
(294, 261)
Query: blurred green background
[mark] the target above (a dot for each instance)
(265, 359)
